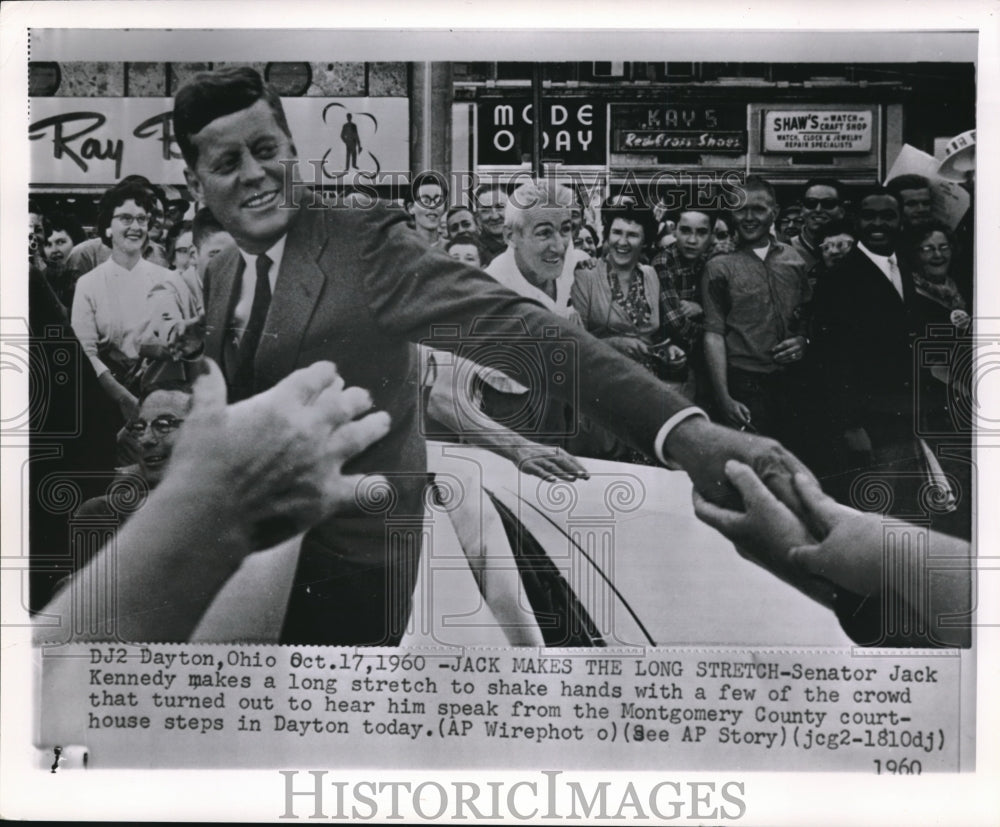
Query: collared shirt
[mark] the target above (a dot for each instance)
(86, 255)
(889, 266)
(248, 285)
(492, 247)
(680, 280)
(109, 307)
(755, 304)
(504, 269)
(808, 251)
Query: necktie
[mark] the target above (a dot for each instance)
(242, 385)
(894, 276)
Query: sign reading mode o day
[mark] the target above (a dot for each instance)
(98, 141)
(817, 130)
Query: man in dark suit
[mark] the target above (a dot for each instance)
(357, 287)
(867, 320)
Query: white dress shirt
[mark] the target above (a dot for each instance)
(248, 285)
(888, 265)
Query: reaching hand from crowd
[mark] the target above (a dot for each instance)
(765, 530)
(242, 476)
(279, 454)
(545, 461)
(830, 546)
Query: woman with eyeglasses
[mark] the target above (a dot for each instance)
(110, 301)
(932, 255)
(427, 203)
(944, 383)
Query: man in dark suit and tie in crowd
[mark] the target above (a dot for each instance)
(866, 322)
(357, 287)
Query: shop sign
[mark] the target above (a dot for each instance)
(651, 140)
(573, 131)
(100, 140)
(689, 127)
(792, 131)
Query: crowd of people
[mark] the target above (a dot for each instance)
(793, 327)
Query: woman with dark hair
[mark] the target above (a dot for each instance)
(426, 201)
(589, 241)
(62, 233)
(618, 300)
(109, 307)
(723, 234)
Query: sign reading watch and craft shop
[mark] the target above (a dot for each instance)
(688, 127)
(573, 130)
(792, 131)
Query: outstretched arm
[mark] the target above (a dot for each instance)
(276, 455)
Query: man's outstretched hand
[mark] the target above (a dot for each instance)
(702, 448)
(276, 458)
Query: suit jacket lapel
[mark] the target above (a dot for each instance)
(878, 277)
(222, 282)
(297, 289)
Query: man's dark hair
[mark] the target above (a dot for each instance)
(167, 381)
(125, 190)
(876, 191)
(212, 95)
(65, 223)
(839, 226)
(712, 215)
(173, 234)
(204, 226)
(482, 189)
(906, 182)
(832, 183)
(465, 238)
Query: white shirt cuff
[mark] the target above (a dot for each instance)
(668, 426)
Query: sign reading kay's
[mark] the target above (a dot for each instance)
(817, 130)
(99, 140)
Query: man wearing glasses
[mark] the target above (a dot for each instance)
(822, 203)
(162, 409)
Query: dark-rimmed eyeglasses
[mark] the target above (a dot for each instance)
(930, 249)
(430, 200)
(161, 426)
(825, 203)
(128, 220)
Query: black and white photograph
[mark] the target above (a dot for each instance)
(441, 423)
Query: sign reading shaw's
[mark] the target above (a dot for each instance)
(572, 130)
(817, 130)
(99, 140)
